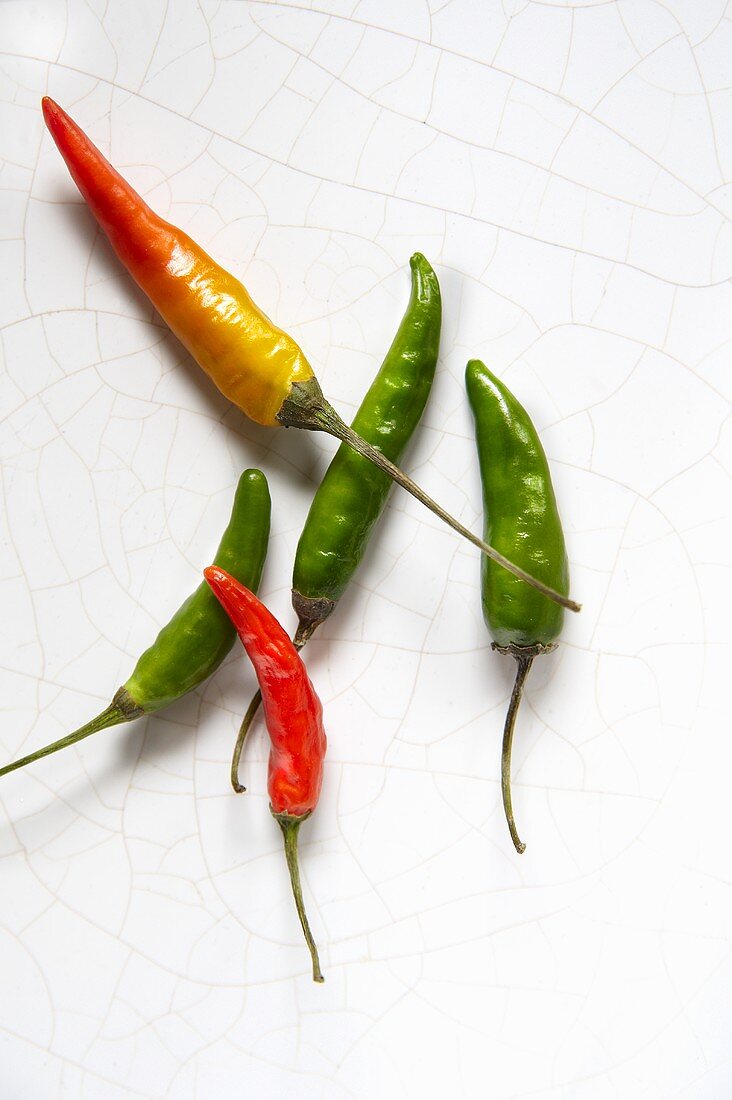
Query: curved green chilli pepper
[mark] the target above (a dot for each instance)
(353, 492)
(193, 644)
(521, 520)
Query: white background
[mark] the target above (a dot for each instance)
(564, 167)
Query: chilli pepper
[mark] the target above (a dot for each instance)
(195, 641)
(521, 517)
(294, 718)
(352, 495)
(255, 364)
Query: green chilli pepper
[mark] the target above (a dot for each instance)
(352, 495)
(195, 641)
(521, 519)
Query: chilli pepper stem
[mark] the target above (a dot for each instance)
(111, 716)
(524, 665)
(306, 407)
(246, 722)
(524, 656)
(290, 828)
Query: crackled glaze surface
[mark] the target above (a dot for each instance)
(564, 166)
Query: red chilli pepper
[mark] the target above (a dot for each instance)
(294, 717)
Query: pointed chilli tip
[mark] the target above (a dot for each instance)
(216, 580)
(61, 126)
(231, 593)
(424, 279)
(220, 580)
(214, 574)
(53, 115)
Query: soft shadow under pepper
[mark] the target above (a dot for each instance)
(193, 644)
(522, 519)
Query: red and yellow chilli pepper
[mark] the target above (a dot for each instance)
(251, 361)
(255, 364)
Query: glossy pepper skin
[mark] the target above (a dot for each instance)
(253, 363)
(522, 520)
(192, 645)
(352, 495)
(521, 517)
(294, 718)
(198, 637)
(256, 365)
